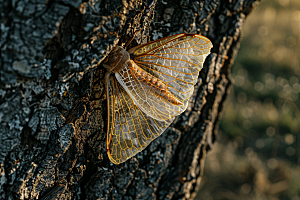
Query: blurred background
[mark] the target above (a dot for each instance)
(257, 155)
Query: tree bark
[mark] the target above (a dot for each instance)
(53, 106)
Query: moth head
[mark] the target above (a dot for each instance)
(116, 59)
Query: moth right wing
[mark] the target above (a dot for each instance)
(175, 63)
(130, 129)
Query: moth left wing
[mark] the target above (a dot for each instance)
(130, 129)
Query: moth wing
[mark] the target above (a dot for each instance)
(130, 129)
(175, 61)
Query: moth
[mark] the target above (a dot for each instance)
(147, 87)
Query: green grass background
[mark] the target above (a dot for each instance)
(257, 155)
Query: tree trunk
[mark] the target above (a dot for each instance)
(53, 107)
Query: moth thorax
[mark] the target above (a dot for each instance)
(117, 59)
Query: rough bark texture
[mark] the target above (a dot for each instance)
(53, 107)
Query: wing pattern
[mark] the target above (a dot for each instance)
(176, 62)
(150, 90)
(130, 129)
